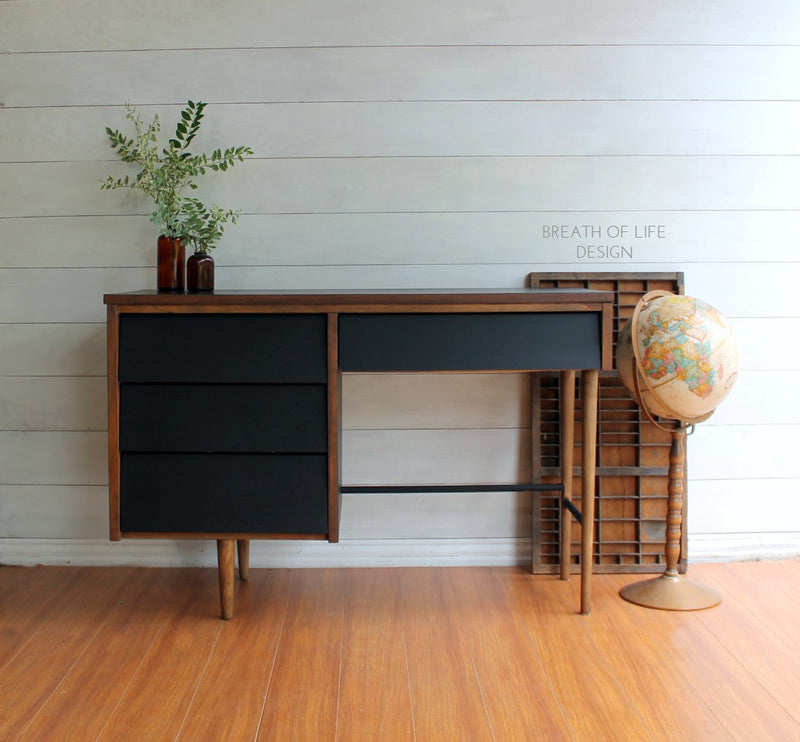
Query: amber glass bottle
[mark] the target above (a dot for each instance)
(200, 272)
(171, 264)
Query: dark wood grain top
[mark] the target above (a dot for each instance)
(354, 299)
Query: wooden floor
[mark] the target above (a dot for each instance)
(393, 654)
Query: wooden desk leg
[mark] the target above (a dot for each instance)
(567, 442)
(226, 560)
(243, 547)
(591, 382)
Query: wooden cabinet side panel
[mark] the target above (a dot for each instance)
(112, 329)
(334, 429)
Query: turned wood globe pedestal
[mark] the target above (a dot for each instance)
(670, 591)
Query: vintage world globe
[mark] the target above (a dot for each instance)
(677, 356)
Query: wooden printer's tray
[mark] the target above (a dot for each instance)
(633, 454)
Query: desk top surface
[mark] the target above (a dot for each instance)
(585, 299)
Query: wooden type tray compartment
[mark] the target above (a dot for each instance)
(633, 454)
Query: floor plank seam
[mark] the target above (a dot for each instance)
(30, 638)
(475, 670)
(64, 677)
(545, 674)
(199, 682)
(408, 663)
(346, 592)
(272, 664)
(133, 675)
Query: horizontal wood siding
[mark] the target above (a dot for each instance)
(405, 143)
(462, 239)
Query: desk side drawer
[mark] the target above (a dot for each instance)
(246, 418)
(224, 493)
(523, 341)
(211, 348)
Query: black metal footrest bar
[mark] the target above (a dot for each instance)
(569, 505)
(452, 488)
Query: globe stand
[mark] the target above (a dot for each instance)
(670, 591)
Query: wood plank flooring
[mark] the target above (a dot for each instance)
(393, 654)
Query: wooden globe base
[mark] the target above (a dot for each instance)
(671, 593)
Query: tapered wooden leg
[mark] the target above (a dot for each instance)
(591, 383)
(567, 441)
(226, 560)
(243, 547)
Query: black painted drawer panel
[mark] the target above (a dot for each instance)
(467, 342)
(250, 348)
(223, 417)
(224, 493)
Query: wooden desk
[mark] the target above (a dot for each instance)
(224, 408)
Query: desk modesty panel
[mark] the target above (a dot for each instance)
(224, 408)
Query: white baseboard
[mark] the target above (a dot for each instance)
(352, 553)
(269, 553)
(740, 547)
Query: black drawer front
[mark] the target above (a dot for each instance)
(223, 417)
(464, 342)
(207, 348)
(224, 493)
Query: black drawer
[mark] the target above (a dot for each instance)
(223, 417)
(224, 493)
(209, 348)
(469, 342)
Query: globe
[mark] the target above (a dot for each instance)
(677, 356)
(679, 359)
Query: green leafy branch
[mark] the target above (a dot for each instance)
(166, 173)
(202, 226)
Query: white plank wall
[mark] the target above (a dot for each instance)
(405, 143)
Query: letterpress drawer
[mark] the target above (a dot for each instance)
(233, 348)
(242, 418)
(224, 493)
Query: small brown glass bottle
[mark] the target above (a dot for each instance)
(200, 272)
